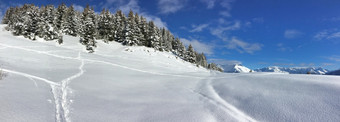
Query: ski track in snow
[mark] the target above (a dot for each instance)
(212, 97)
(31, 76)
(60, 91)
(62, 103)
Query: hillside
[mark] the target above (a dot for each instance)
(51, 82)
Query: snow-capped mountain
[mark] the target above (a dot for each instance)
(235, 68)
(336, 72)
(294, 70)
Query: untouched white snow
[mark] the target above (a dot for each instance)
(50, 82)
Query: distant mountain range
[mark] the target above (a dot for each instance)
(235, 68)
(294, 70)
(336, 72)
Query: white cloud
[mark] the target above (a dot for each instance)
(227, 5)
(334, 58)
(242, 46)
(170, 6)
(290, 34)
(224, 61)
(258, 20)
(199, 46)
(210, 3)
(328, 34)
(334, 35)
(126, 6)
(131, 5)
(78, 7)
(157, 21)
(199, 28)
(281, 47)
(219, 31)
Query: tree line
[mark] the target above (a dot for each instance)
(51, 23)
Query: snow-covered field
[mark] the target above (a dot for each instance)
(49, 82)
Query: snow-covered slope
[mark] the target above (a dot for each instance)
(235, 68)
(49, 82)
(294, 70)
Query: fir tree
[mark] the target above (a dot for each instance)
(138, 30)
(130, 31)
(46, 29)
(153, 36)
(71, 25)
(182, 50)
(119, 26)
(201, 60)
(8, 14)
(88, 29)
(60, 16)
(143, 25)
(191, 55)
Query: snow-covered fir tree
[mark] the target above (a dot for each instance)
(131, 30)
(88, 29)
(46, 28)
(139, 30)
(153, 36)
(201, 60)
(120, 20)
(143, 25)
(71, 24)
(60, 17)
(104, 25)
(7, 16)
(191, 54)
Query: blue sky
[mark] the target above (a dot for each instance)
(256, 33)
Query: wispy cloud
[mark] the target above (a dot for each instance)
(334, 58)
(222, 32)
(327, 34)
(210, 3)
(199, 28)
(333, 19)
(258, 20)
(242, 46)
(170, 6)
(281, 47)
(199, 46)
(224, 61)
(78, 7)
(227, 5)
(219, 31)
(127, 5)
(290, 34)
